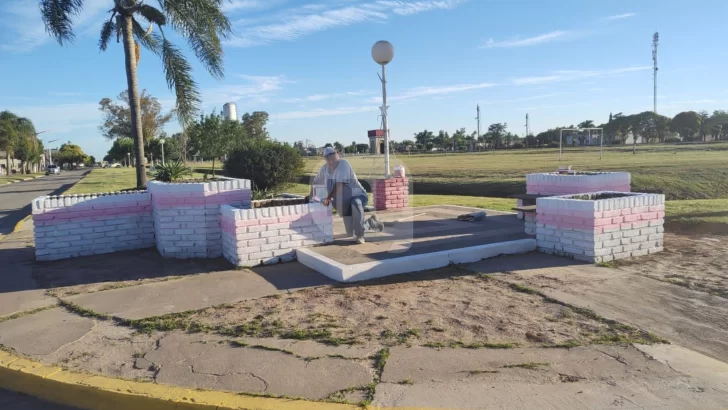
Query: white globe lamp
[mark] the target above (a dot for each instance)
(383, 53)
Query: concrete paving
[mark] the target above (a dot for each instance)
(44, 332)
(200, 291)
(684, 316)
(15, 198)
(415, 231)
(588, 377)
(188, 361)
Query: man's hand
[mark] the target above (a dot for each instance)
(326, 201)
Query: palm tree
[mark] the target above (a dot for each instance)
(201, 22)
(12, 130)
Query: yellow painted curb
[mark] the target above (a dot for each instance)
(92, 392)
(103, 393)
(20, 224)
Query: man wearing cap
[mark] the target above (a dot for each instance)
(345, 192)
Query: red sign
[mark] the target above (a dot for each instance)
(376, 133)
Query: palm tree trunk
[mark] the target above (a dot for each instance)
(134, 103)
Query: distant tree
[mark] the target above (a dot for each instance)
(212, 137)
(686, 123)
(496, 132)
(70, 153)
(424, 139)
(362, 148)
(117, 117)
(586, 124)
(91, 161)
(703, 121)
(28, 150)
(119, 149)
(338, 147)
(459, 138)
(12, 130)
(254, 124)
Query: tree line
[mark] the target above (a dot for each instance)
(19, 140)
(645, 127)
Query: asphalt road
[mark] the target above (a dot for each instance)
(16, 401)
(15, 198)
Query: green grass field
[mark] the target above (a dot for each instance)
(694, 178)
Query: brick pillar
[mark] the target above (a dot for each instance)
(392, 193)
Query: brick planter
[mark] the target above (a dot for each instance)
(186, 215)
(271, 235)
(600, 226)
(391, 193)
(80, 225)
(553, 183)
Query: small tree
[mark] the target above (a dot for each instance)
(117, 117)
(70, 153)
(686, 123)
(270, 165)
(212, 137)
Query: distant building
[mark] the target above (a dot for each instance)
(230, 111)
(376, 142)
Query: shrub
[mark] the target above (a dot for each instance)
(517, 145)
(672, 140)
(172, 171)
(270, 165)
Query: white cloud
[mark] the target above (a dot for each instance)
(441, 90)
(235, 5)
(321, 97)
(256, 89)
(301, 21)
(620, 16)
(321, 112)
(526, 42)
(567, 75)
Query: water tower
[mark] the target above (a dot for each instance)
(230, 111)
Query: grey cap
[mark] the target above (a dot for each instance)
(329, 151)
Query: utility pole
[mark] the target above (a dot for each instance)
(655, 43)
(527, 133)
(477, 109)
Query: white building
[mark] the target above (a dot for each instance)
(230, 111)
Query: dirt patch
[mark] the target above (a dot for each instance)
(696, 262)
(441, 308)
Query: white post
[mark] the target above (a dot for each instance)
(384, 120)
(162, 142)
(561, 137)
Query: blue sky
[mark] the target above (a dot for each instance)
(308, 64)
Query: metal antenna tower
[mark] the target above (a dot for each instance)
(477, 110)
(655, 43)
(527, 133)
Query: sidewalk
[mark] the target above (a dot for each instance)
(109, 329)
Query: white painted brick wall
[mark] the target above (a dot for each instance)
(628, 239)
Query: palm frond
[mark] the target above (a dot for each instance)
(106, 31)
(203, 24)
(58, 18)
(152, 15)
(179, 78)
(150, 41)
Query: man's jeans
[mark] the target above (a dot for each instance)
(353, 215)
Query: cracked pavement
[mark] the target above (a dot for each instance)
(597, 376)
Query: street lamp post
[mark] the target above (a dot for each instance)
(128, 159)
(161, 141)
(383, 53)
(50, 151)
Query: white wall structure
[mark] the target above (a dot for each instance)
(587, 228)
(271, 235)
(554, 183)
(78, 225)
(186, 215)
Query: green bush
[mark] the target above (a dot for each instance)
(172, 171)
(270, 165)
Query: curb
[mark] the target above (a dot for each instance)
(91, 392)
(23, 180)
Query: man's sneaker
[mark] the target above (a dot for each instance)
(360, 240)
(375, 224)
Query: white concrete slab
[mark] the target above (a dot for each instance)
(414, 263)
